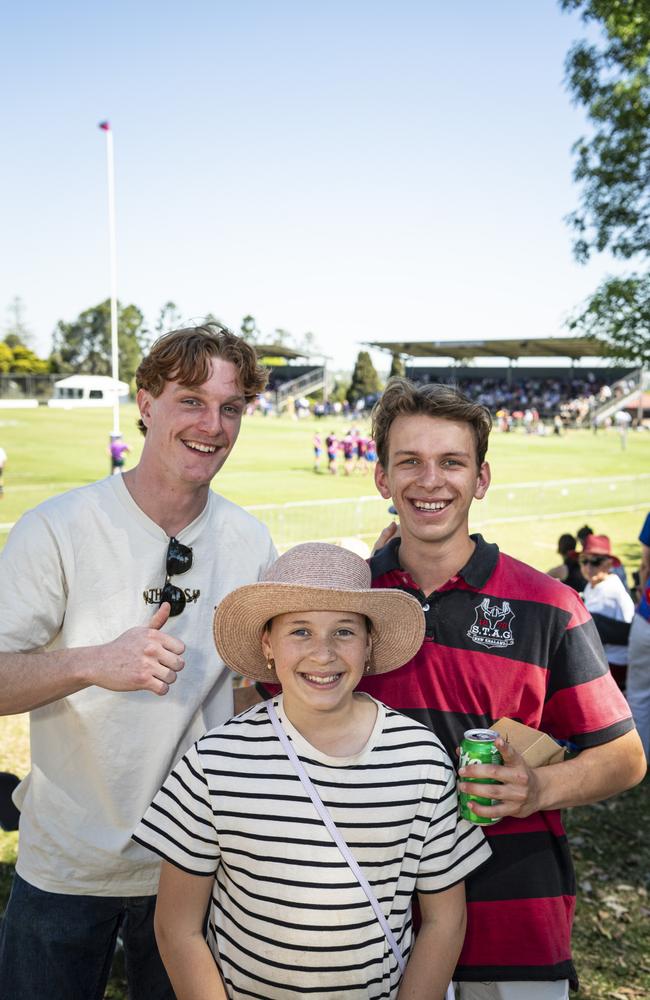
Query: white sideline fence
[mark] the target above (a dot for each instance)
(506, 503)
(364, 517)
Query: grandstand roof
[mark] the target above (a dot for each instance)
(277, 351)
(463, 350)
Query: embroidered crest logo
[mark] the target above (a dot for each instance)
(492, 624)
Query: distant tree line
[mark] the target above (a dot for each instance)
(15, 353)
(83, 345)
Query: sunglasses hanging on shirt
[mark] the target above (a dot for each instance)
(179, 560)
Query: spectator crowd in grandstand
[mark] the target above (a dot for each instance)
(540, 404)
(574, 398)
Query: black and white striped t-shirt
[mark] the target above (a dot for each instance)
(287, 916)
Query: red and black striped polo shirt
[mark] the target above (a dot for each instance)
(503, 639)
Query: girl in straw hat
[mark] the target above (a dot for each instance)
(296, 906)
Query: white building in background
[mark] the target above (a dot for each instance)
(87, 390)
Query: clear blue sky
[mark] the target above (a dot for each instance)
(360, 169)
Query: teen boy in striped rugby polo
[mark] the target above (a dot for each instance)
(501, 640)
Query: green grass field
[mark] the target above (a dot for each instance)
(541, 487)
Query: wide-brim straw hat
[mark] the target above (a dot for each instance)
(316, 576)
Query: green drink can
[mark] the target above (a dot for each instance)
(478, 747)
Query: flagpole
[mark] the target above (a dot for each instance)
(110, 171)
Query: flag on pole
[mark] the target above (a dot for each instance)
(106, 126)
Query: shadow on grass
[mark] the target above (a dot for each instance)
(611, 851)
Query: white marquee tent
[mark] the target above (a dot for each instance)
(87, 390)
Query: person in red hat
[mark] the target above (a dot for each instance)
(608, 602)
(617, 566)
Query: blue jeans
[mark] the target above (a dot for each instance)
(55, 946)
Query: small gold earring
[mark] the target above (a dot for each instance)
(270, 663)
(367, 670)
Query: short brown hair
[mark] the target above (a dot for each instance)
(401, 397)
(184, 356)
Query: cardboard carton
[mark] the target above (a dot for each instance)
(536, 748)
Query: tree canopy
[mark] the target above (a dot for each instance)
(611, 81)
(619, 313)
(17, 333)
(397, 366)
(84, 345)
(249, 330)
(6, 357)
(26, 362)
(169, 318)
(15, 353)
(16, 357)
(365, 380)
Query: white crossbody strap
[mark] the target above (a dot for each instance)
(334, 833)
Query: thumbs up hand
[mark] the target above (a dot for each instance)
(159, 617)
(141, 659)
